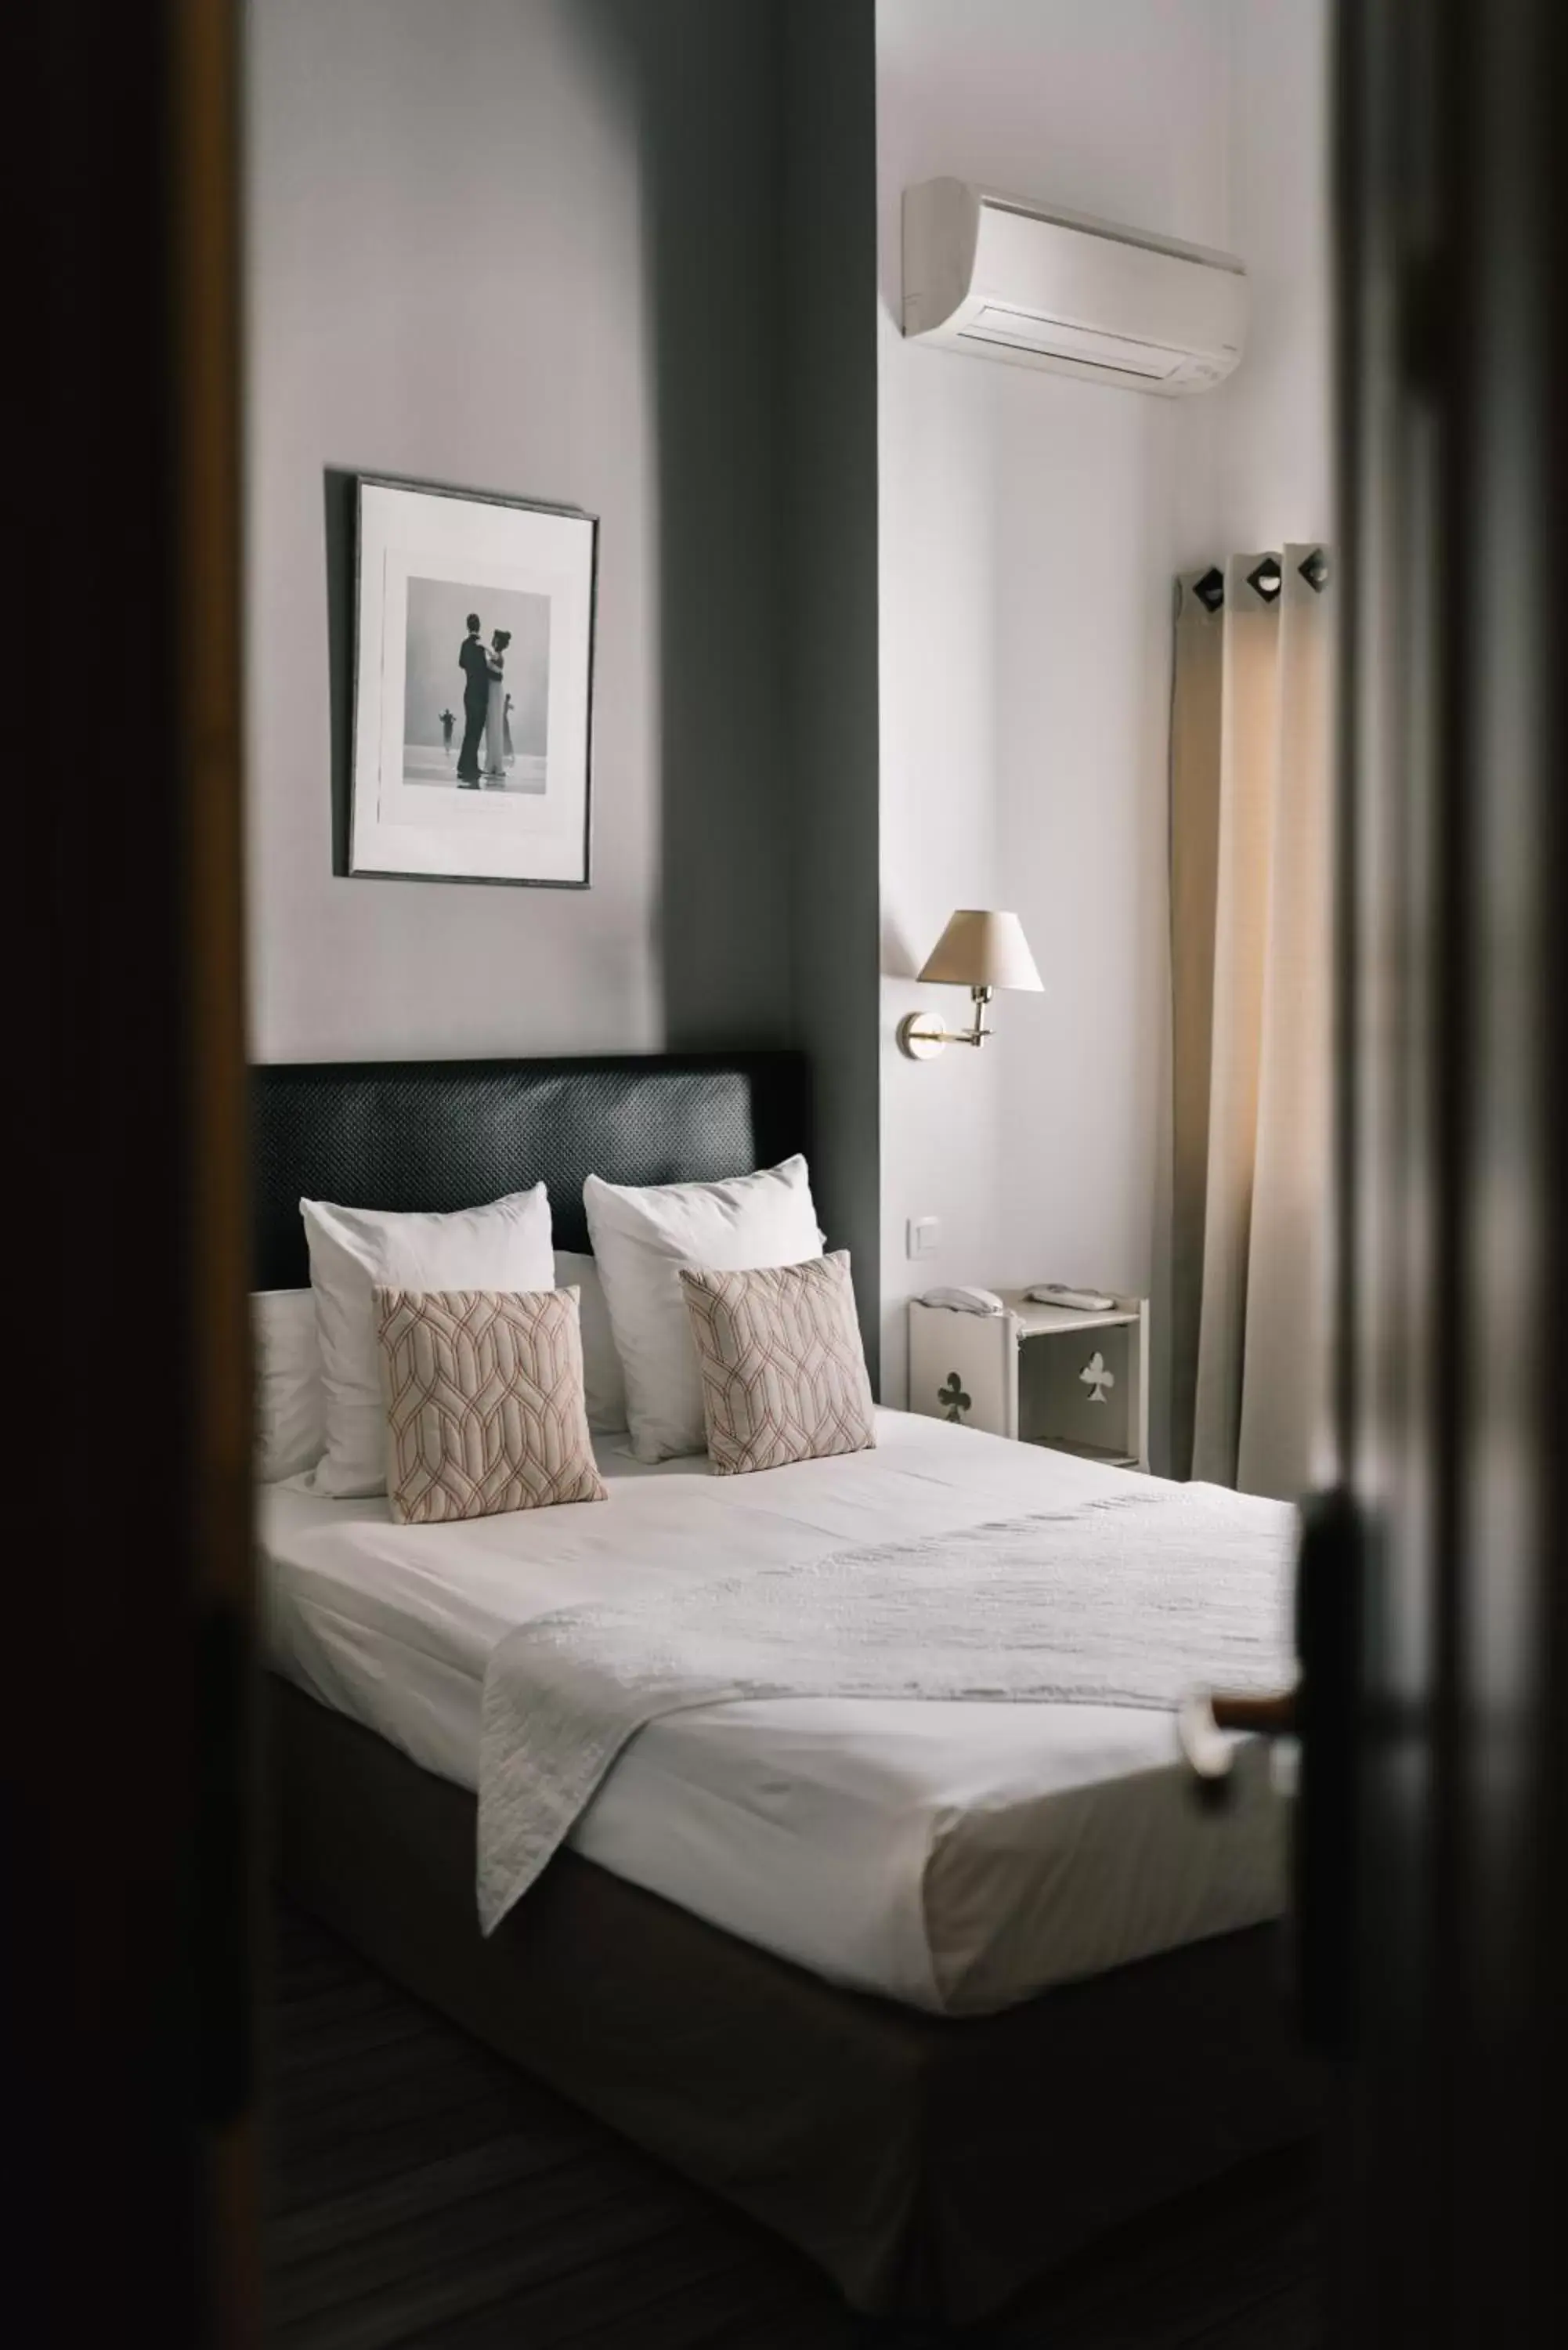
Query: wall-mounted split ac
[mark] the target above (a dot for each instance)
(1004, 279)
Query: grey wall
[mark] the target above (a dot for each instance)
(829, 542)
(619, 253)
(528, 245)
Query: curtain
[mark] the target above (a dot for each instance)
(1251, 950)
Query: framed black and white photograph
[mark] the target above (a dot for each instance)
(473, 642)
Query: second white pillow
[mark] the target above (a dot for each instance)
(290, 1403)
(604, 1381)
(643, 1236)
(354, 1250)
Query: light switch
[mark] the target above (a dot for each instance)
(922, 1236)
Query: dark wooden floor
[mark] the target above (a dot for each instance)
(424, 2194)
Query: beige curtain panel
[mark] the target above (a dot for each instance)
(1251, 950)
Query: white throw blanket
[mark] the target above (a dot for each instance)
(1126, 1601)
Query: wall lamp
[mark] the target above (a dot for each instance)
(982, 951)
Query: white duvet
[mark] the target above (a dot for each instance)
(954, 1854)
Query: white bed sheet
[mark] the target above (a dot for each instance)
(958, 1857)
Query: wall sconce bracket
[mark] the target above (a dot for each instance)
(919, 1039)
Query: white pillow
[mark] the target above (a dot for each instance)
(643, 1236)
(290, 1401)
(353, 1251)
(604, 1381)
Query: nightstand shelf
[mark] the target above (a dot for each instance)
(1108, 1458)
(1044, 1375)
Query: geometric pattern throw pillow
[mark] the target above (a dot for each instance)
(484, 1392)
(784, 1371)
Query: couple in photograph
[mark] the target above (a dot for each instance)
(485, 706)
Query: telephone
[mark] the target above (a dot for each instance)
(965, 1300)
(1079, 1301)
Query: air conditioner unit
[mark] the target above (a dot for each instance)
(1003, 279)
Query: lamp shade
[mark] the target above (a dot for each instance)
(982, 950)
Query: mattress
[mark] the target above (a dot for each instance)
(958, 1857)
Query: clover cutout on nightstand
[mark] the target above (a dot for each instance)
(953, 1396)
(1095, 1377)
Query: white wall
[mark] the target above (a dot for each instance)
(1030, 528)
(479, 232)
(1269, 438)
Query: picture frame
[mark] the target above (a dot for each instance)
(472, 753)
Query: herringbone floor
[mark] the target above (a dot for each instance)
(424, 2194)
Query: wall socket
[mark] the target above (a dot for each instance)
(922, 1236)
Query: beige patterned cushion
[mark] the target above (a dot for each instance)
(483, 1391)
(783, 1372)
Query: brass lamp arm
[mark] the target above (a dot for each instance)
(921, 1041)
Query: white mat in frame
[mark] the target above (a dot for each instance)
(426, 560)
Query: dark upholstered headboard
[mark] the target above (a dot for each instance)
(453, 1134)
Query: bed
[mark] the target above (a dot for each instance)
(939, 2000)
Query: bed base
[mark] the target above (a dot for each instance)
(930, 2165)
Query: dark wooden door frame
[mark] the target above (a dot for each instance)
(128, 1620)
(1452, 227)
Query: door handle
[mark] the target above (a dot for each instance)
(1322, 1712)
(1332, 1573)
(1208, 1720)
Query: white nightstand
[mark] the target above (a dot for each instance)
(1041, 1374)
